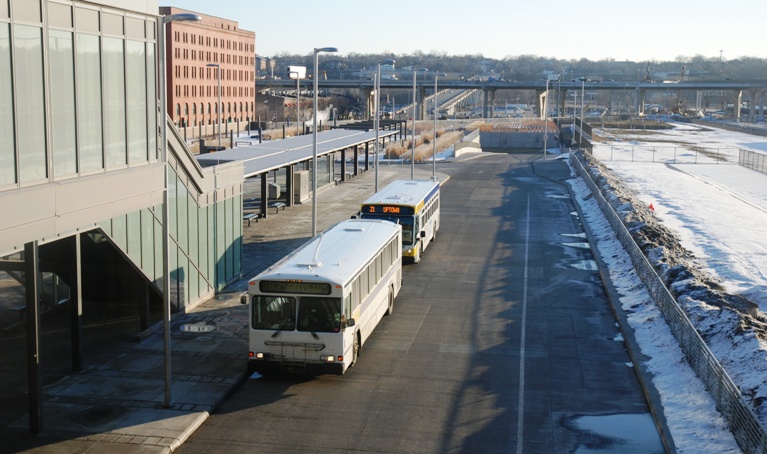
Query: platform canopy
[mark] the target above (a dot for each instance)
(263, 157)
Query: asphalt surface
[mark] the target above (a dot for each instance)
(502, 340)
(117, 403)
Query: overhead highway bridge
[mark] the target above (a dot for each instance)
(424, 83)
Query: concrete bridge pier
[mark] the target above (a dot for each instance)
(639, 101)
(737, 99)
(369, 102)
(755, 99)
(541, 95)
(488, 103)
(561, 96)
(419, 102)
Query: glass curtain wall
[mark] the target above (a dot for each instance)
(205, 242)
(7, 133)
(89, 81)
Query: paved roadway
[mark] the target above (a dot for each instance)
(502, 340)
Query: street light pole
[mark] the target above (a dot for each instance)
(298, 102)
(376, 109)
(412, 153)
(219, 108)
(314, 136)
(165, 202)
(583, 97)
(546, 119)
(434, 150)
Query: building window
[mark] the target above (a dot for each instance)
(114, 105)
(136, 88)
(64, 146)
(30, 103)
(89, 128)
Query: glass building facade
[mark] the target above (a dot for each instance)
(79, 109)
(78, 91)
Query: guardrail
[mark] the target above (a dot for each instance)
(755, 130)
(740, 417)
(752, 160)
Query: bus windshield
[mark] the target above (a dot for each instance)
(315, 314)
(274, 312)
(319, 314)
(405, 221)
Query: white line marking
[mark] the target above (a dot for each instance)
(521, 408)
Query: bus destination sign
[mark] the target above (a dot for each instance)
(307, 288)
(392, 210)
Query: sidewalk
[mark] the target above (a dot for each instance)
(116, 404)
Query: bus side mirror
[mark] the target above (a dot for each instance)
(423, 234)
(244, 298)
(350, 322)
(354, 216)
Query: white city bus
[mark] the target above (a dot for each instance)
(315, 308)
(414, 204)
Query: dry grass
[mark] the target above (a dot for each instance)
(424, 146)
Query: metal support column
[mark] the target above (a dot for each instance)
(76, 307)
(356, 160)
(367, 156)
(34, 367)
(264, 194)
(343, 164)
(289, 170)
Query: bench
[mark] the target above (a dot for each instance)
(248, 217)
(277, 206)
(349, 175)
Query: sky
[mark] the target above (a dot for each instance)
(716, 211)
(659, 30)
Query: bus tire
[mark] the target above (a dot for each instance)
(390, 309)
(355, 349)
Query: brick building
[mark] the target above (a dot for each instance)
(193, 83)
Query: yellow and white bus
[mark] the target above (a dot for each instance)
(413, 204)
(313, 310)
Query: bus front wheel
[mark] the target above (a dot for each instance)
(390, 309)
(355, 349)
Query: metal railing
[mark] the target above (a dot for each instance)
(752, 160)
(740, 417)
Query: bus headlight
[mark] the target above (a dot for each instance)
(328, 358)
(257, 355)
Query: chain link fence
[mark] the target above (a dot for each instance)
(753, 160)
(690, 154)
(743, 422)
